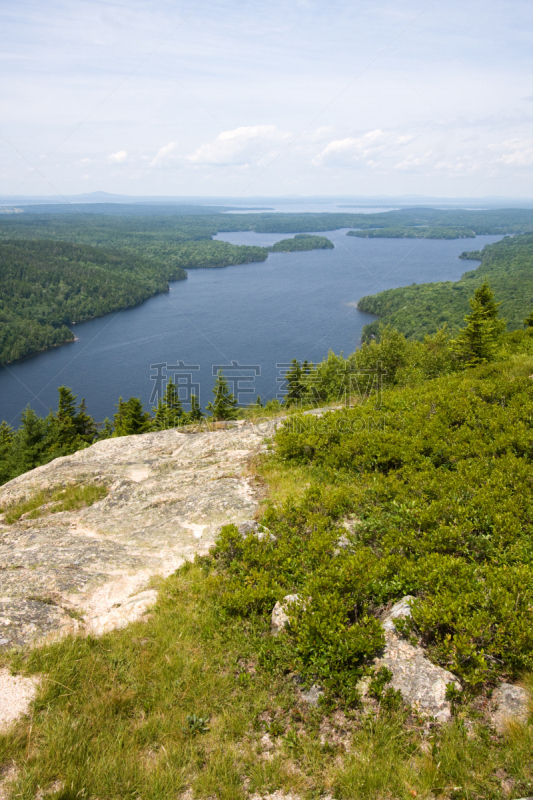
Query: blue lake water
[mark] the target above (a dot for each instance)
(294, 305)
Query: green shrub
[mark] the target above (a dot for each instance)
(440, 503)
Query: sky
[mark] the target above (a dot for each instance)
(290, 97)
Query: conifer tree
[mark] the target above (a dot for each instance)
(28, 449)
(196, 413)
(131, 418)
(7, 435)
(224, 404)
(297, 381)
(85, 424)
(528, 322)
(107, 429)
(69, 429)
(169, 411)
(477, 342)
(294, 384)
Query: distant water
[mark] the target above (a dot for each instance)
(294, 305)
(305, 207)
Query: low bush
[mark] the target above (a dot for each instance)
(434, 502)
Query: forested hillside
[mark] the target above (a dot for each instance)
(422, 308)
(45, 286)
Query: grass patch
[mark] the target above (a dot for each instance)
(180, 702)
(53, 500)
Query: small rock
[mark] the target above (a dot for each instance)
(280, 618)
(16, 695)
(252, 528)
(401, 610)
(263, 536)
(247, 527)
(343, 543)
(511, 705)
(312, 695)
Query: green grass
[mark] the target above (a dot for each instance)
(53, 500)
(113, 721)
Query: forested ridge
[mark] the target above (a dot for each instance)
(421, 309)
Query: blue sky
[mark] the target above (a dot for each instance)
(246, 98)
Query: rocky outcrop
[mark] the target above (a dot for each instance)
(169, 493)
(421, 683)
(511, 704)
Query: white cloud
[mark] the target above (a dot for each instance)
(241, 146)
(515, 152)
(353, 151)
(164, 156)
(413, 162)
(118, 158)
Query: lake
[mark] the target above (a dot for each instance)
(294, 305)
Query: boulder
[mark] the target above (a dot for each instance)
(511, 705)
(280, 618)
(421, 683)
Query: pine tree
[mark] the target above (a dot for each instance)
(224, 405)
(69, 429)
(294, 384)
(477, 342)
(85, 424)
(297, 382)
(169, 411)
(130, 417)
(107, 429)
(7, 434)
(196, 413)
(28, 449)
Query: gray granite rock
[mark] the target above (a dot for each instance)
(510, 705)
(421, 683)
(169, 494)
(401, 610)
(249, 526)
(253, 528)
